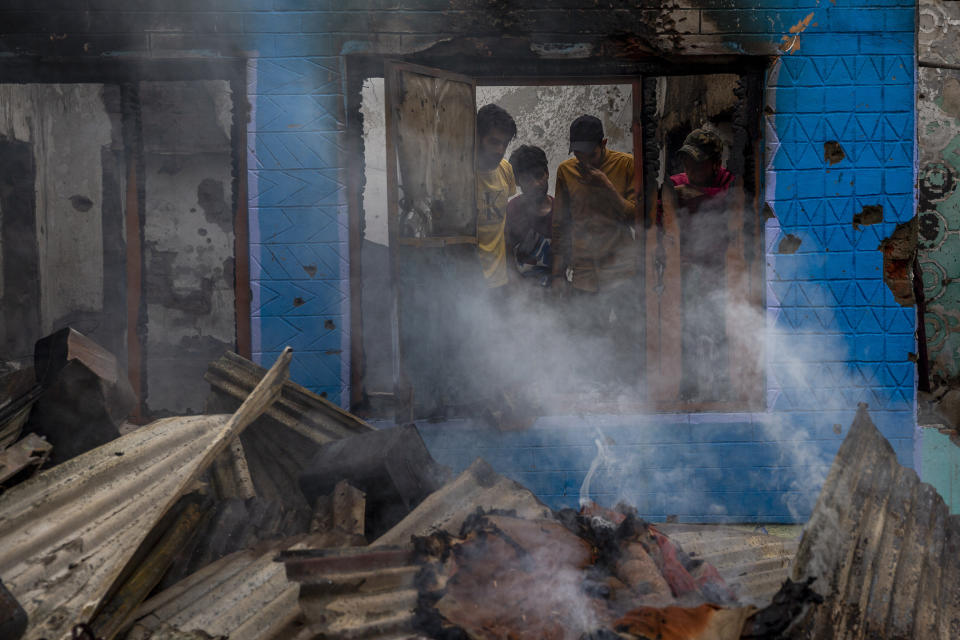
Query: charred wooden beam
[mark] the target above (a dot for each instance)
(86, 394)
(31, 450)
(392, 466)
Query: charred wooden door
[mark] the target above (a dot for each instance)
(431, 191)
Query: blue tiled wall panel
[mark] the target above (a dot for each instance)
(298, 217)
(835, 335)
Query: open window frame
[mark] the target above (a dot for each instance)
(660, 343)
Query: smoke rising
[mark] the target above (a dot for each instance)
(511, 355)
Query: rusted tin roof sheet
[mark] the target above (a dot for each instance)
(479, 486)
(753, 564)
(67, 534)
(297, 408)
(356, 593)
(243, 596)
(884, 550)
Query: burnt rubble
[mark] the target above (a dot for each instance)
(278, 515)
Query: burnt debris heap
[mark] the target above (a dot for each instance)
(278, 515)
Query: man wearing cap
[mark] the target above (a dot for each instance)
(704, 177)
(703, 238)
(595, 253)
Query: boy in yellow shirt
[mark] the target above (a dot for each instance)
(495, 185)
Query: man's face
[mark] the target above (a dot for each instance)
(534, 182)
(700, 173)
(592, 159)
(491, 149)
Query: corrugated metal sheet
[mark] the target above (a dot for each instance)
(754, 565)
(297, 408)
(356, 593)
(479, 486)
(243, 596)
(67, 534)
(882, 546)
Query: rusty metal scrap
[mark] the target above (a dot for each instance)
(67, 534)
(882, 546)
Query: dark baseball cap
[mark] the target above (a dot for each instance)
(702, 144)
(586, 133)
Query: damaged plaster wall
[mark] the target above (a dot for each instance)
(58, 239)
(938, 240)
(938, 131)
(188, 238)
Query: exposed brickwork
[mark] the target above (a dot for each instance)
(849, 79)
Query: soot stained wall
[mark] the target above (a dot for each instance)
(841, 72)
(188, 238)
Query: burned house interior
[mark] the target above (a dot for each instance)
(471, 319)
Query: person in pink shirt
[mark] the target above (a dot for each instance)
(704, 177)
(703, 221)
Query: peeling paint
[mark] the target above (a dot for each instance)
(949, 98)
(938, 220)
(790, 43)
(899, 251)
(870, 214)
(833, 152)
(789, 244)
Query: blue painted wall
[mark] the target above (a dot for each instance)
(297, 209)
(837, 336)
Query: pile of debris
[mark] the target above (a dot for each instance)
(103, 522)
(277, 515)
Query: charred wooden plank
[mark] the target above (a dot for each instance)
(18, 391)
(31, 450)
(13, 619)
(86, 394)
(392, 466)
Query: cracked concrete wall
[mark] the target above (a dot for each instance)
(188, 238)
(70, 130)
(938, 132)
